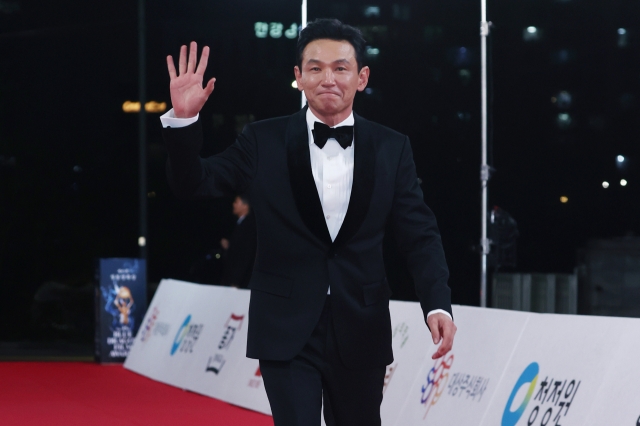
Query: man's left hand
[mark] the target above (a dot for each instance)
(442, 330)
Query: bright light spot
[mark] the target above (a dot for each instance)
(129, 106)
(605, 184)
(622, 31)
(623, 182)
(371, 11)
(151, 106)
(372, 51)
(368, 91)
(564, 199)
(620, 158)
(564, 120)
(142, 241)
(294, 84)
(217, 255)
(532, 30)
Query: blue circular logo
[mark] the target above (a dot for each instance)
(529, 375)
(182, 331)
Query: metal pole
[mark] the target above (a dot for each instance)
(303, 101)
(142, 129)
(484, 169)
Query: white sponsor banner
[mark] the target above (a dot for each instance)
(412, 344)
(457, 388)
(618, 397)
(555, 372)
(202, 347)
(506, 368)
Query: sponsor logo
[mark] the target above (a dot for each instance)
(401, 333)
(529, 375)
(388, 376)
(161, 328)
(469, 385)
(257, 379)
(440, 378)
(145, 333)
(437, 379)
(400, 337)
(186, 337)
(552, 400)
(217, 361)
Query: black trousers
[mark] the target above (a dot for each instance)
(296, 388)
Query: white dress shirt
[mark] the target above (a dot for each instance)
(332, 169)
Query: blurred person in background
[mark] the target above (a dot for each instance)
(240, 249)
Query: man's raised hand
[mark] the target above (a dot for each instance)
(187, 94)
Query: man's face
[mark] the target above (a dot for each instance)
(330, 76)
(239, 207)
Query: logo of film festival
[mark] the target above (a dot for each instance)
(552, 400)
(217, 361)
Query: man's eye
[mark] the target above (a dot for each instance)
(315, 69)
(341, 69)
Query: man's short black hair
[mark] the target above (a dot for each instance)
(331, 29)
(244, 198)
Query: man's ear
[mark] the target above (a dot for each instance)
(298, 74)
(363, 78)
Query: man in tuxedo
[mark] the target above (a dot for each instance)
(240, 248)
(324, 183)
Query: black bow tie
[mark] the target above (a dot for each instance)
(322, 132)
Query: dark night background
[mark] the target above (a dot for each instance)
(69, 154)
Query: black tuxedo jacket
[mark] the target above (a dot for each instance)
(296, 261)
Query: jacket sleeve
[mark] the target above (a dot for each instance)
(227, 173)
(418, 237)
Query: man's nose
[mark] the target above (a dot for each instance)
(328, 78)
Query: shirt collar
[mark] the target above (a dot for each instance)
(311, 118)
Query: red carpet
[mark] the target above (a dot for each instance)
(85, 394)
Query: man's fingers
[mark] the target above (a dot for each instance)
(182, 63)
(446, 329)
(204, 58)
(209, 87)
(171, 67)
(193, 56)
(435, 327)
(435, 333)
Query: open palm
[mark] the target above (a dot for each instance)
(187, 94)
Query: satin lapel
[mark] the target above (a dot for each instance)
(363, 180)
(303, 186)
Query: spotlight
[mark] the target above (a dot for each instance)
(294, 84)
(564, 200)
(623, 182)
(605, 184)
(620, 158)
(531, 34)
(622, 31)
(564, 120)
